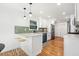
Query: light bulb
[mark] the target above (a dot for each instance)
(24, 17)
(30, 15)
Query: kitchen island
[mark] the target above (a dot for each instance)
(31, 43)
(71, 45)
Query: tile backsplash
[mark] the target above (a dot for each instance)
(22, 29)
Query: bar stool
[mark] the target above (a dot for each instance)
(2, 46)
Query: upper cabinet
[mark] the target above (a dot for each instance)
(42, 23)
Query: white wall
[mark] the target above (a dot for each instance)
(7, 22)
(77, 11)
(60, 29)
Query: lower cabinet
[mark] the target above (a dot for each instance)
(36, 45)
(27, 45)
(48, 36)
(33, 45)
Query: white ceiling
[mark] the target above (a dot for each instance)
(53, 10)
(48, 9)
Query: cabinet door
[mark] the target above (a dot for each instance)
(48, 36)
(27, 46)
(37, 44)
(28, 42)
(42, 23)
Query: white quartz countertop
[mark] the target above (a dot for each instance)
(22, 37)
(29, 34)
(72, 35)
(25, 35)
(71, 45)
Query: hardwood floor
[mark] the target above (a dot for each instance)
(53, 48)
(15, 52)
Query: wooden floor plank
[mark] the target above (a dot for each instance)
(54, 48)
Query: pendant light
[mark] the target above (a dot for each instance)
(24, 13)
(30, 13)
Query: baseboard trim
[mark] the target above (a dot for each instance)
(58, 37)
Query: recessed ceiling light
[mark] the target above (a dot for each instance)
(64, 13)
(52, 21)
(49, 16)
(41, 12)
(66, 17)
(58, 3)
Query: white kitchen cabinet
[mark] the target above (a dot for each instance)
(42, 23)
(27, 45)
(37, 44)
(48, 36)
(33, 44)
